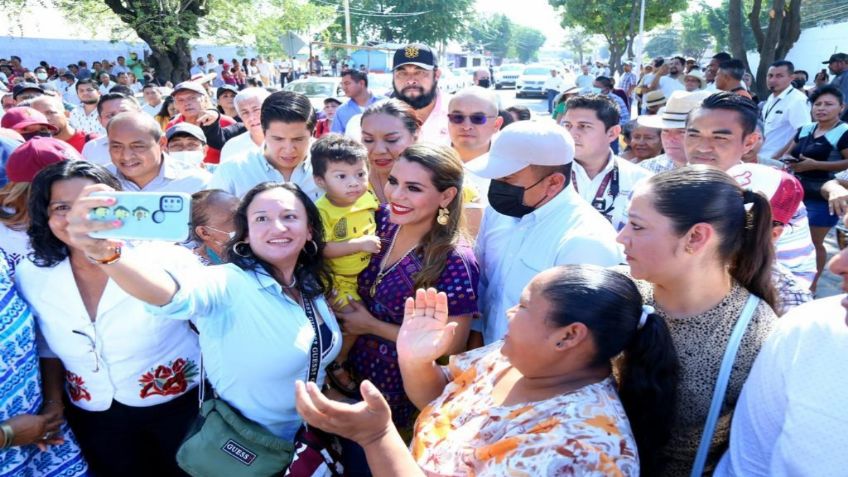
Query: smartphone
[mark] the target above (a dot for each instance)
(790, 160)
(658, 62)
(146, 216)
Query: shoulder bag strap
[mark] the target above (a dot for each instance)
(317, 345)
(721, 383)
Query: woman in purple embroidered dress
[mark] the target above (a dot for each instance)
(422, 246)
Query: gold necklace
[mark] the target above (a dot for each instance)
(382, 273)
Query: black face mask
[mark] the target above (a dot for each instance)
(30, 135)
(508, 199)
(484, 83)
(798, 83)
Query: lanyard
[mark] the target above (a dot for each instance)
(599, 202)
(317, 343)
(765, 116)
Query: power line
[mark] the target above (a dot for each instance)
(373, 13)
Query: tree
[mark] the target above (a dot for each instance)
(695, 35)
(616, 20)
(492, 34)
(526, 43)
(578, 42)
(664, 43)
(718, 21)
(167, 26)
(426, 21)
(773, 42)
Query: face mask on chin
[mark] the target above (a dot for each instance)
(189, 159)
(484, 83)
(30, 135)
(508, 199)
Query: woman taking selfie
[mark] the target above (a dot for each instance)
(259, 312)
(129, 378)
(697, 255)
(541, 402)
(422, 246)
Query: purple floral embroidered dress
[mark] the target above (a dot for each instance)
(376, 359)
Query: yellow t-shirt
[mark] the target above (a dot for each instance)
(345, 223)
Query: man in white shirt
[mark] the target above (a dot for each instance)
(121, 67)
(553, 85)
(248, 104)
(106, 84)
(266, 72)
(86, 118)
(585, 80)
(791, 416)
(671, 121)
(602, 179)
(67, 86)
(785, 110)
(718, 133)
(536, 220)
(287, 120)
(152, 99)
(668, 77)
(110, 105)
(415, 80)
(139, 163)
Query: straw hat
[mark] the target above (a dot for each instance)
(673, 115)
(699, 75)
(654, 98)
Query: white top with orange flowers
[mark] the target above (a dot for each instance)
(463, 432)
(125, 353)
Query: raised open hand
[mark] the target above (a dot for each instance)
(426, 333)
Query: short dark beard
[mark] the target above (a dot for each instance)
(420, 102)
(89, 101)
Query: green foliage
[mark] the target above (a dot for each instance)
(695, 37)
(663, 43)
(526, 42)
(426, 21)
(493, 34)
(719, 28)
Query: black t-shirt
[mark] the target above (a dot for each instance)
(818, 148)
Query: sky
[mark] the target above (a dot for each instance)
(538, 14)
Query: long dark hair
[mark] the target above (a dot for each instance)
(446, 171)
(610, 306)
(47, 249)
(311, 271)
(701, 194)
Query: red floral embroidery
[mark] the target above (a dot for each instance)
(76, 387)
(168, 380)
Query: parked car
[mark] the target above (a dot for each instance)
(318, 89)
(531, 81)
(507, 75)
(449, 82)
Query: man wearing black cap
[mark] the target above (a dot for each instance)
(838, 66)
(415, 82)
(24, 91)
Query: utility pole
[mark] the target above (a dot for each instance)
(346, 4)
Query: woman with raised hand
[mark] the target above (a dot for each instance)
(543, 401)
(699, 246)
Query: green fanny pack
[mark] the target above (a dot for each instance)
(224, 443)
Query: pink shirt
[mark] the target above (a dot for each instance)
(435, 128)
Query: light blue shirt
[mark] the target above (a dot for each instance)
(171, 178)
(345, 112)
(255, 340)
(240, 174)
(511, 251)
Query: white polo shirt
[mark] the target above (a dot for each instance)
(511, 251)
(97, 151)
(126, 354)
(171, 178)
(624, 178)
(782, 115)
(237, 146)
(791, 417)
(240, 174)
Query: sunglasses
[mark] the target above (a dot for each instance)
(477, 119)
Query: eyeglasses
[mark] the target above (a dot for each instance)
(477, 119)
(92, 341)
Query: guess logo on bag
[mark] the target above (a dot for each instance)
(239, 452)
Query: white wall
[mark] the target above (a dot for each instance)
(814, 46)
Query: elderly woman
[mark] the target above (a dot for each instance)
(645, 142)
(541, 402)
(258, 315)
(212, 217)
(699, 246)
(130, 377)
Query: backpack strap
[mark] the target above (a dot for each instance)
(835, 134)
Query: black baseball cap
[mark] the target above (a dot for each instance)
(417, 54)
(224, 88)
(26, 86)
(836, 57)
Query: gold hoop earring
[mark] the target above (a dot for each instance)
(235, 249)
(443, 217)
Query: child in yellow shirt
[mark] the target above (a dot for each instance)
(339, 166)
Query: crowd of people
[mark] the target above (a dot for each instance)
(441, 286)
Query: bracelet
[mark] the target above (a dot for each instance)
(8, 435)
(108, 260)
